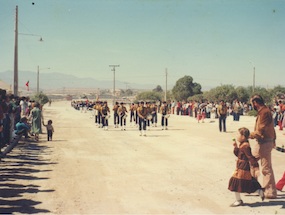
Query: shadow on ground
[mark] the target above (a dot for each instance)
(18, 180)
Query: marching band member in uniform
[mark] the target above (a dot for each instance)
(122, 112)
(142, 113)
(104, 113)
(136, 113)
(148, 114)
(153, 108)
(164, 110)
(96, 110)
(116, 116)
(132, 113)
(100, 104)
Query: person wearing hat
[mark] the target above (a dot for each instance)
(164, 110)
(116, 115)
(104, 114)
(154, 114)
(142, 114)
(122, 112)
(132, 113)
(265, 136)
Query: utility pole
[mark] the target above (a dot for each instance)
(165, 84)
(114, 85)
(38, 81)
(253, 84)
(16, 55)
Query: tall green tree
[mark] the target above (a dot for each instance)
(158, 89)
(41, 98)
(185, 87)
(149, 96)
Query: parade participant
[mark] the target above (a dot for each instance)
(116, 115)
(142, 113)
(164, 112)
(222, 114)
(242, 180)
(154, 114)
(100, 122)
(136, 113)
(96, 110)
(132, 113)
(104, 114)
(148, 109)
(122, 112)
(265, 136)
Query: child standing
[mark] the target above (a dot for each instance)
(50, 130)
(242, 181)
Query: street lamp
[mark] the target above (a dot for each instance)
(38, 79)
(16, 81)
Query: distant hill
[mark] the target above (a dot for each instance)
(56, 80)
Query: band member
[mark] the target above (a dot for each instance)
(153, 108)
(164, 110)
(132, 113)
(142, 113)
(116, 116)
(104, 114)
(96, 110)
(148, 109)
(100, 104)
(136, 113)
(122, 112)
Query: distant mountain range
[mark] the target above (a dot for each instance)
(59, 81)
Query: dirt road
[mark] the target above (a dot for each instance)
(86, 170)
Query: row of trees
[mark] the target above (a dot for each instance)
(185, 89)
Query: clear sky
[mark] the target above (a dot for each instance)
(214, 41)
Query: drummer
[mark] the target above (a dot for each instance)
(165, 111)
(148, 118)
(122, 112)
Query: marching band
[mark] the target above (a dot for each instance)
(143, 114)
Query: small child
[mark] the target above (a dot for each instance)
(242, 181)
(50, 130)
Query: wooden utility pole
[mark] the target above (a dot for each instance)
(16, 55)
(253, 84)
(165, 97)
(114, 84)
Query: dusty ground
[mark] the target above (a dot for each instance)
(86, 170)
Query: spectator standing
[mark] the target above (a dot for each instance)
(265, 136)
(222, 114)
(36, 117)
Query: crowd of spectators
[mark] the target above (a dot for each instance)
(14, 116)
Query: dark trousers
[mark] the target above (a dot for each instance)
(132, 117)
(104, 121)
(222, 123)
(122, 121)
(154, 118)
(164, 121)
(116, 119)
(49, 135)
(142, 124)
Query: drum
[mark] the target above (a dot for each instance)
(125, 116)
(167, 116)
(149, 116)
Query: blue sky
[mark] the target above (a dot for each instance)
(214, 41)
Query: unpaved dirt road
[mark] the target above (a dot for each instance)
(86, 170)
